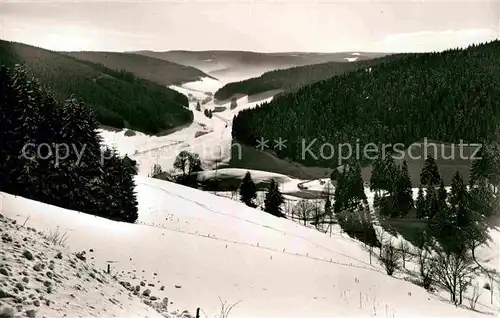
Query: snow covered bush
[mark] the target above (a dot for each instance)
(390, 258)
(6, 312)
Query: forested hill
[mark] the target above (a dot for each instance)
(291, 79)
(119, 98)
(444, 96)
(153, 69)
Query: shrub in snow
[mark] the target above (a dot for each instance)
(390, 259)
(226, 308)
(31, 313)
(156, 170)
(234, 103)
(7, 312)
(28, 255)
(57, 237)
(129, 133)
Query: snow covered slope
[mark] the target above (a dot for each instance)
(40, 277)
(201, 247)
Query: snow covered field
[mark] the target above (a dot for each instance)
(40, 276)
(211, 246)
(201, 247)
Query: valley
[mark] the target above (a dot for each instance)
(249, 159)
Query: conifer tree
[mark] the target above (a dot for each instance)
(481, 168)
(390, 174)
(420, 204)
(442, 193)
(328, 206)
(19, 122)
(431, 203)
(442, 224)
(83, 165)
(483, 198)
(442, 196)
(335, 174)
(403, 194)
(351, 205)
(376, 176)
(274, 199)
(349, 192)
(340, 193)
(129, 212)
(248, 190)
(430, 175)
(67, 173)
(356, 191)
(458, 190)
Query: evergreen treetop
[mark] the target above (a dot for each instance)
(248, 190)
(430, 175)
(274, 199)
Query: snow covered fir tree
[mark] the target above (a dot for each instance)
(51, 152)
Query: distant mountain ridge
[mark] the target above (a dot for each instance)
(291, 79)
(221, 64)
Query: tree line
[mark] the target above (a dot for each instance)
(291, 79)
(118, 98)
(273, 200)
(98, 182)
(446, 96)
(456, 219)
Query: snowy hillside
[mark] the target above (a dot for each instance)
(40, 276)
(201, 247)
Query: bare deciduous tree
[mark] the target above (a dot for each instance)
(476, 293)
(453, 272)
(390, 258)
(405, 250)
(288, 210)
(303, 210)
(425, 268)
(382, 237)
(317, 215)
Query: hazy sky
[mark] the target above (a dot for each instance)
(255, 25)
